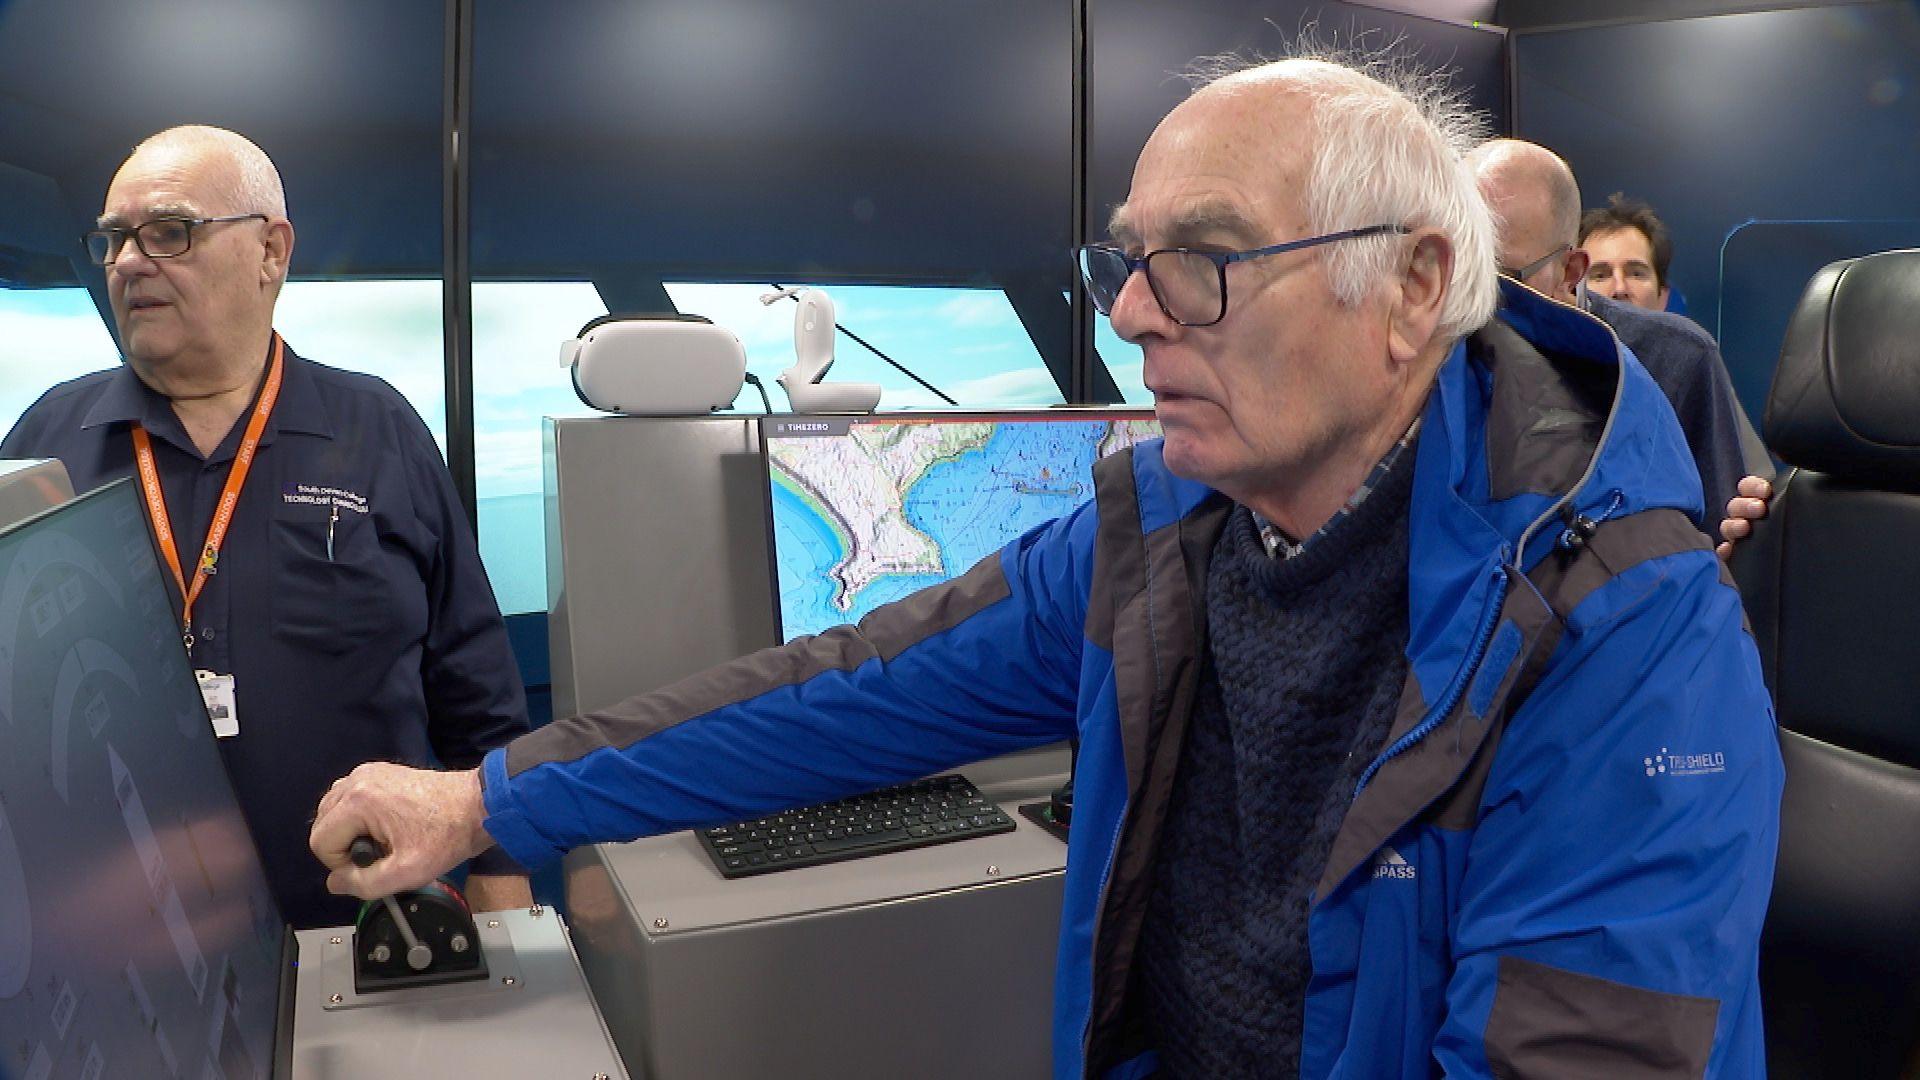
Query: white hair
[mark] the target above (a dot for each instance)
(253, 185)
(1390, 149)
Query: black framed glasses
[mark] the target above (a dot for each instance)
(1523, 273)
(161, 238)
(1190, 286)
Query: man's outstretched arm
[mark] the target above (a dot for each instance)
(978, 666)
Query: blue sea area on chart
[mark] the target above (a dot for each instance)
(1026, 474)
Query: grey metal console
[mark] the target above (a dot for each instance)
(657, 557)
(931, 963)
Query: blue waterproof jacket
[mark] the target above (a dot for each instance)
(1557, 867)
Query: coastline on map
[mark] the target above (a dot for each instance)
(806, 546)
(991, 506)
(964, 439)
(960, 440)
(1121, 434)
(786, 480)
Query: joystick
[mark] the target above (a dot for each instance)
(418, 937)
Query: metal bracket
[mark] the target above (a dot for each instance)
(336, 974)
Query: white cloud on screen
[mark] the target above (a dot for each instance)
(1009, 388)
(507, 462)
(46, 340)
(946, 335)
(517, 330)
(765, 330)
(979, 309)
(391, 329)
(1124, 360)
(1132, 382)
(1007, 352)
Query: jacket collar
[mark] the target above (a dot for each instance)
(1550, 418)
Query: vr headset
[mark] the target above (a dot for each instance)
(655, 365)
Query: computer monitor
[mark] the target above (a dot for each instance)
(28, 487)
(867, 509)
(137, 935)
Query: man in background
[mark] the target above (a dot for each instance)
(1536, 201)
(329, 588)
(1628, 252)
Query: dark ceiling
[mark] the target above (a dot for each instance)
(1557, 14)
(697, 138)
(345, 95)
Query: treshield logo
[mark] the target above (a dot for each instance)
(1666, 763)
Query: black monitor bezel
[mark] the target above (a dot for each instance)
(282, 1067)
(282, 1064)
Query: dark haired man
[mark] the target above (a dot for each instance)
(1628, 252)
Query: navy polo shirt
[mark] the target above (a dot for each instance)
(389, 647)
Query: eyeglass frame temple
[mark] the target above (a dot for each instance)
(1521, 275)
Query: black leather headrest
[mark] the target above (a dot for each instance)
(1846, 396)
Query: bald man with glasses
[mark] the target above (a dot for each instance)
(327, 582)
(1536, 202)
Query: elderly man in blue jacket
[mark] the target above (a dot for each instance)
(1419, 730)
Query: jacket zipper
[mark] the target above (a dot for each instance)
(1458, 687)
(1508, 565)
(1093, 940)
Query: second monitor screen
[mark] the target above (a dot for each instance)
(866, 510)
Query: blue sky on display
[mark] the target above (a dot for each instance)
(967, 342)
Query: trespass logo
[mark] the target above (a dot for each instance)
(1391, 864)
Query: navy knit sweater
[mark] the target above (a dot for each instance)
(1306, 666)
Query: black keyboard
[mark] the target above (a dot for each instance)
(925, 812)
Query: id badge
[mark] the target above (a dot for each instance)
(218, 692)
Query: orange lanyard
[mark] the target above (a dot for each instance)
(229, 496)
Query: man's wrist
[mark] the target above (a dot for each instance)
(473, 813)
